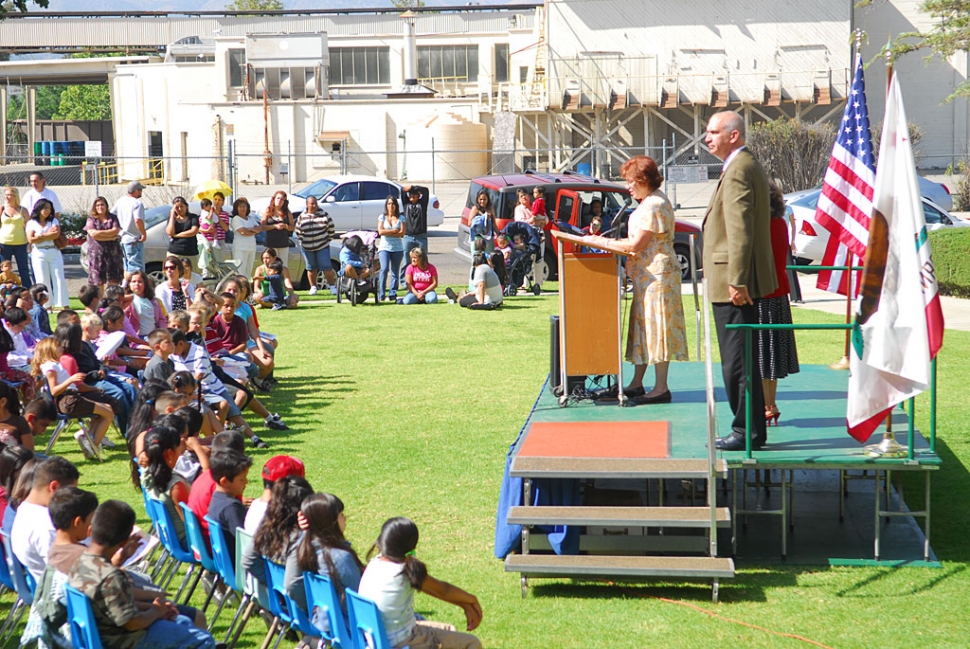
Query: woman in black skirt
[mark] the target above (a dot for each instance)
(778, 355)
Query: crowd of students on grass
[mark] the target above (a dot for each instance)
(62, 535)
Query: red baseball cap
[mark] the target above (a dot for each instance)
(282, 466)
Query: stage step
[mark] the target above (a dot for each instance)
(645, 468)
(616, 516)
(553, 565)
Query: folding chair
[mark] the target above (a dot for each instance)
(64, 424)
(23, 584)
(84, 631)
(278, 600)
(321, 594)
(366, 623)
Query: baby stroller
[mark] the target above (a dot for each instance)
(523, 264)
(357, 291)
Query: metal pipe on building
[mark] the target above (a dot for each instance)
(410, 50)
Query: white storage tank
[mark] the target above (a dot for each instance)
(461, 148)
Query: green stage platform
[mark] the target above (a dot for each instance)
(810, 444)
(810, 434)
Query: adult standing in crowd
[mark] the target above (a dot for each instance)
(776, 347)
(13, 233)
(738, 265)
(105, 259)
(182, 229)
(657, 333)
(278, 223)
(43, 229)
(245, 226)
(38, 190)
(390, 249)
(131, 215)
(314, 229)
(415, 219)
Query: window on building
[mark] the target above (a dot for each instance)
(196, 58)
(360, 66)
(237, 67)
(448, 62)
(501, 69)
(524, 74)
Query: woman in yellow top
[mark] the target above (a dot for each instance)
(657, 334)
(13, 234)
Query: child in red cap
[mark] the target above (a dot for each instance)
(278, 466)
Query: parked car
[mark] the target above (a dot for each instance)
(156, 247)
(353, 202)
(811, 238)
(569, 198)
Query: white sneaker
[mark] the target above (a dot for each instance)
(333, 289)
(313, 290)
(107, 443)
(87, 447)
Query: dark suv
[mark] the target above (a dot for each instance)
(569, 198)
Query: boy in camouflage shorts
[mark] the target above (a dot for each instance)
(120, 622)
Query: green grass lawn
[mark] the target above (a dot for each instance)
(410, 412)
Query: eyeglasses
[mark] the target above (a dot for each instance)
(171, 267)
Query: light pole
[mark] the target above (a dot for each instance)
(404, 145)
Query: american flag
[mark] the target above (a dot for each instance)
(845, 203)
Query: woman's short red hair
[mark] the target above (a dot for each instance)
(642, 169)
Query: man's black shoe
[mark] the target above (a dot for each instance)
(735, 442)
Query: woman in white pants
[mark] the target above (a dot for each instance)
(45, 259)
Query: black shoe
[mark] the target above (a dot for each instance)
(261, 385)
(663, 397)
(735, 442)
(633, 393)
(258, 443)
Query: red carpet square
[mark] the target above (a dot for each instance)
(598, 439)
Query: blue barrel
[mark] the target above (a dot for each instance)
(76, 149)
(59, 150)
(584, 168)
(45, 152)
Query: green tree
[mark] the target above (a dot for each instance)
(48, 103)
(950, 34)
(85, 103)
(8, 6)
(407, 4)
(255, 5)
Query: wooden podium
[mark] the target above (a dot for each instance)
(590, 319)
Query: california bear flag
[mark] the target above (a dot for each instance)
(898, 313)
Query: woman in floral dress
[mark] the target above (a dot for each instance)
(657, 334)
(105, 264)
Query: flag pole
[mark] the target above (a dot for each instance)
(888, 447)
(843, 363)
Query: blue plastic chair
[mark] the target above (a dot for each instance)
(197, 544)
(298, 618)
(321, 594)
(366, 623)
(170, 540)
(16, 611)
(84, 631)
(23, 584)
(278, 599)
(226, 570)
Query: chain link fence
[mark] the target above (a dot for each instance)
(78, 180)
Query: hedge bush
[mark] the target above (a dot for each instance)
(951, 256)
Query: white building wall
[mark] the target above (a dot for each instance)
(702, 44)
(946, 126)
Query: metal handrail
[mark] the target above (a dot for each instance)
(749, 363)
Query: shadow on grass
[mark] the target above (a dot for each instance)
(916, 589)
(700, 592)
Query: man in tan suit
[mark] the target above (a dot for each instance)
(739, 267)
